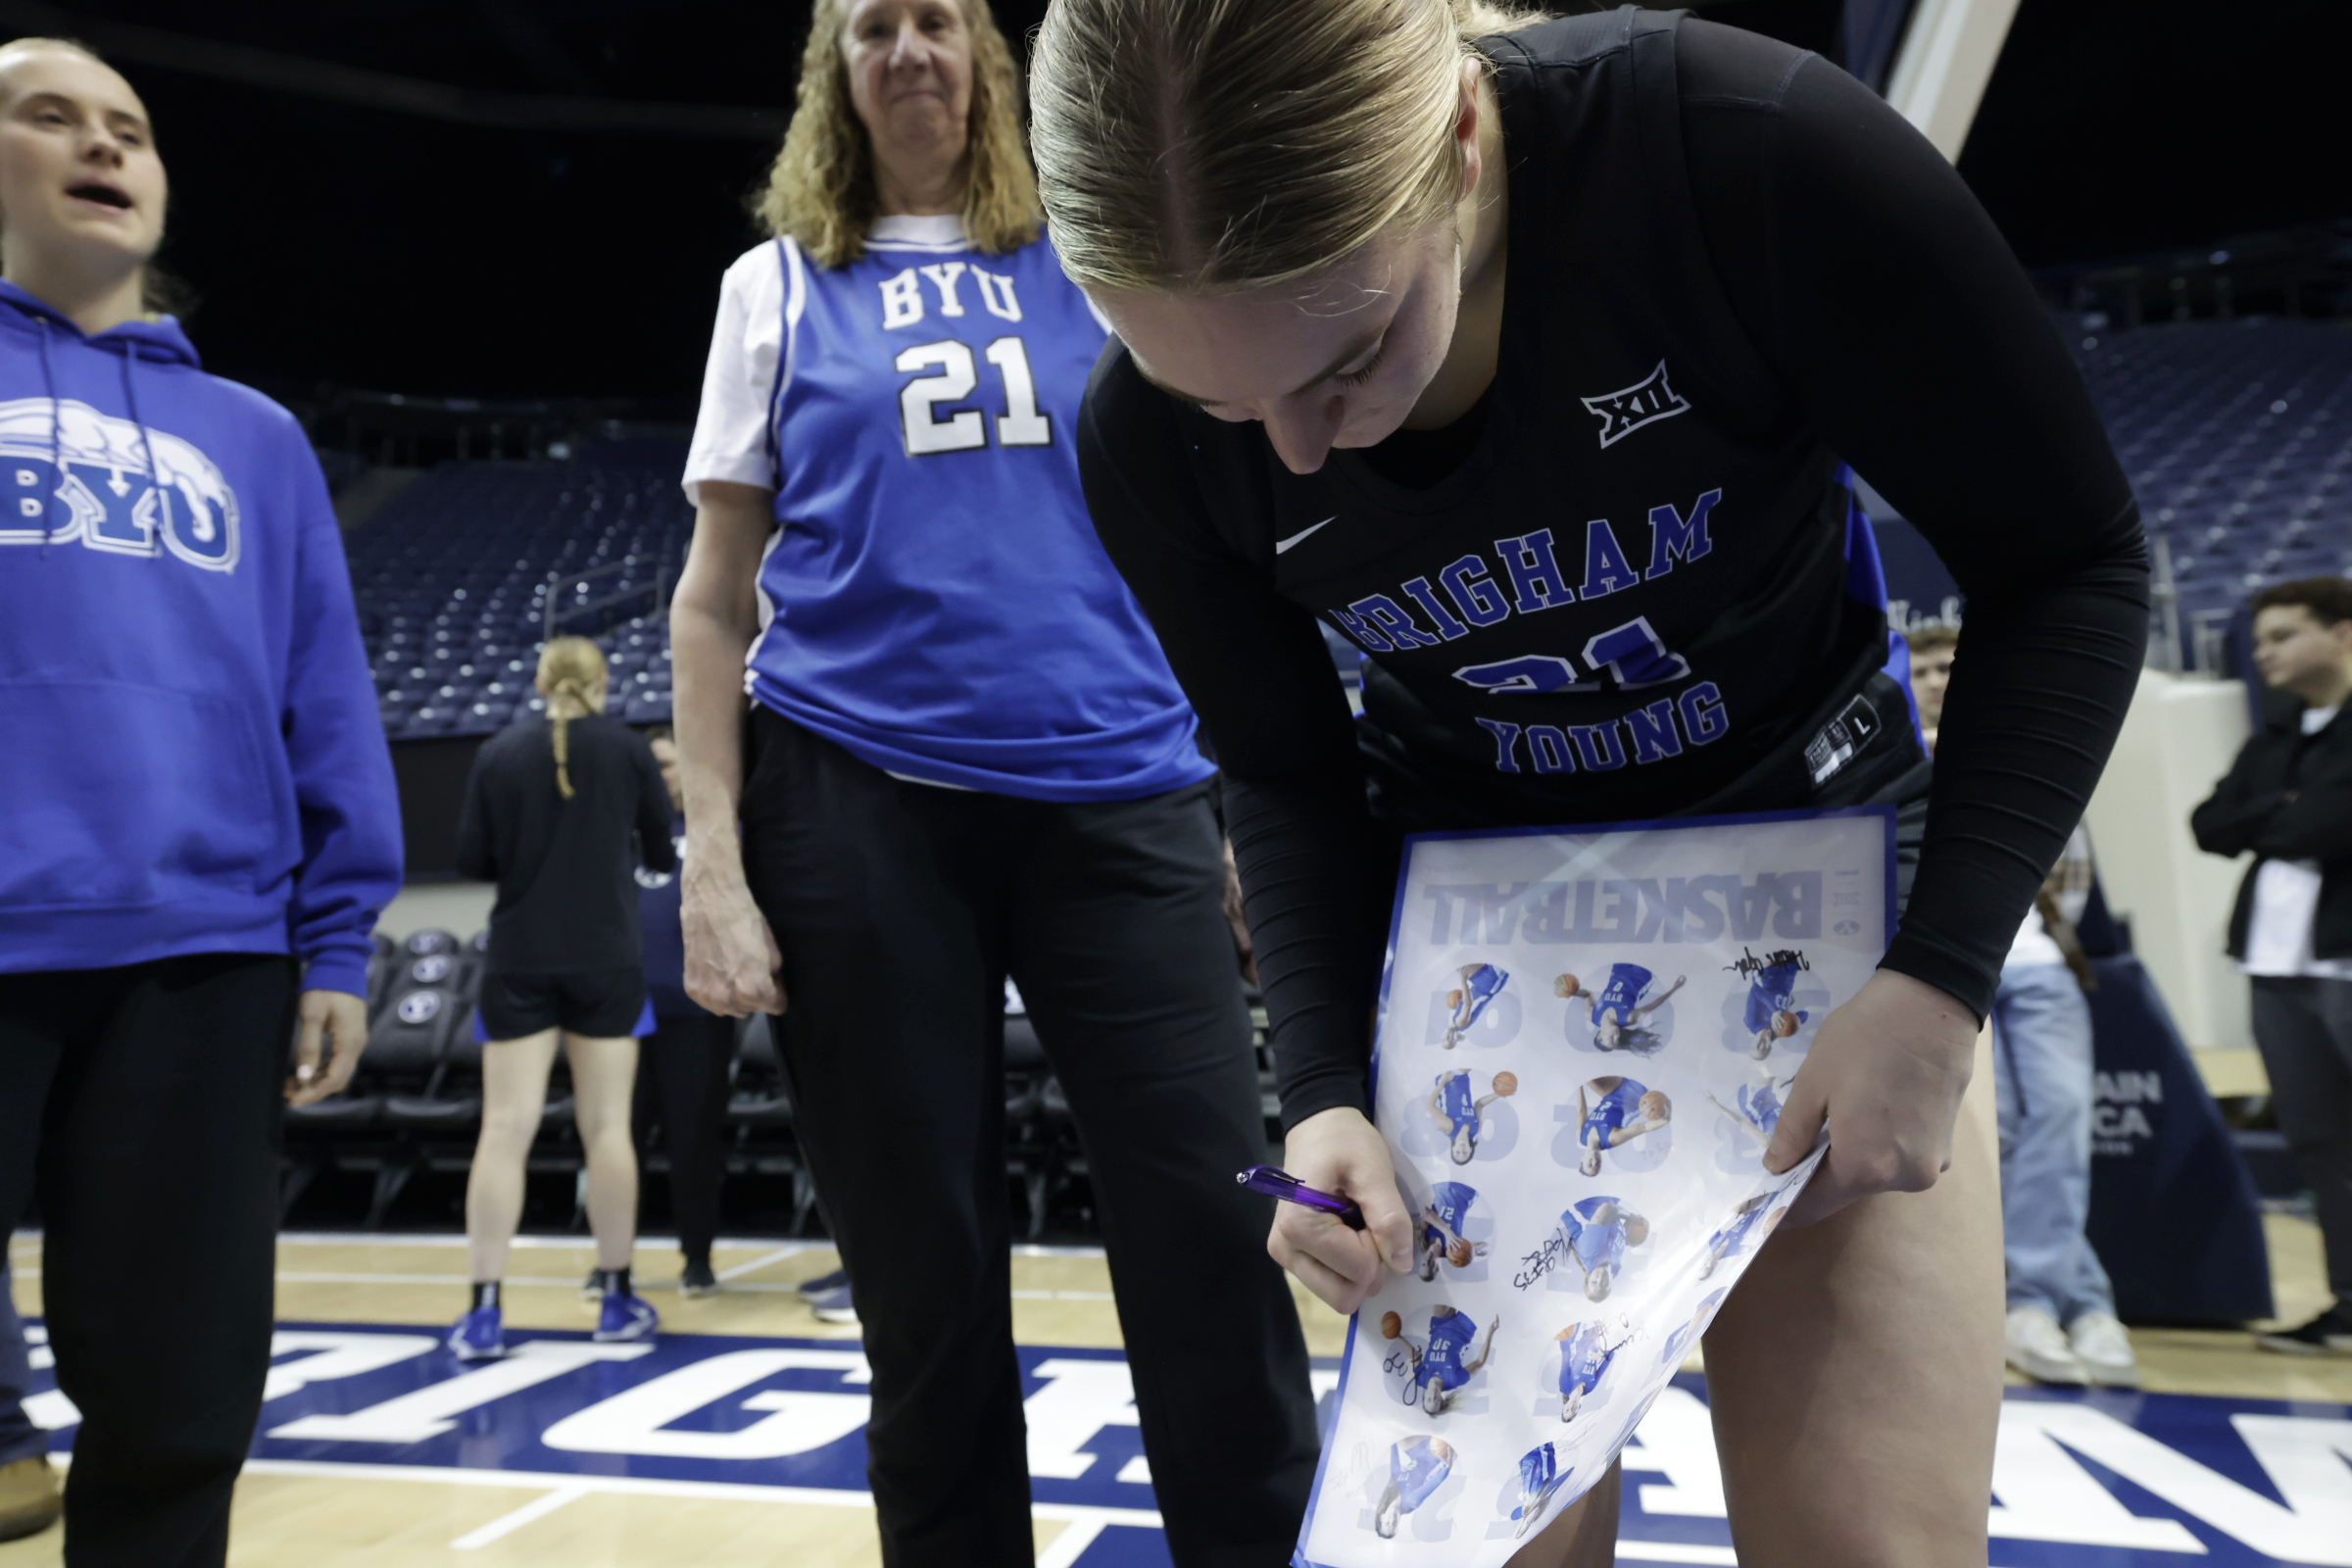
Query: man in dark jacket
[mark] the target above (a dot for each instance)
(2288, 798)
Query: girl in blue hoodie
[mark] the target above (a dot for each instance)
(197, 820)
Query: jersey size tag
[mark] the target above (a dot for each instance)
(1856, 725)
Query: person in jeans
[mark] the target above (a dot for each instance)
(2288, 798)
(31, 1498)
(2062, 1326)
(200, 822)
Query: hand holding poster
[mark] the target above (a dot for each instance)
(1585, 1042)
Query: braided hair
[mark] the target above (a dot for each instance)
(572, 672)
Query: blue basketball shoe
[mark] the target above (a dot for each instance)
(626, 1319)
(479, 1335)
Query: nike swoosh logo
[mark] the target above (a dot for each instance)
(1282, 545)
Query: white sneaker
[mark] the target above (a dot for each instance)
(2037, 1348)
(2104, 1348)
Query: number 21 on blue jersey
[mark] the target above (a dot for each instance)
(1021, 424)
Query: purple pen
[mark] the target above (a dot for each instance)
(1275, 1182)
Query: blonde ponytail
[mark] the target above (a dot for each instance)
(1208, 147)
(572, 673)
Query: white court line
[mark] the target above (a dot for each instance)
(760, 1263)
(1673, 1551)
(505, 1524)
(1065, 1549)
(647, 1486)
(583, 1242)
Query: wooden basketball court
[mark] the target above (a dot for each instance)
(466, 1482)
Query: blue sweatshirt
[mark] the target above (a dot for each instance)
(190, 757)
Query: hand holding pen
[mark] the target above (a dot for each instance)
(1277, 1182)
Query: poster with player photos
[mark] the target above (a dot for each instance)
(1586, 1038)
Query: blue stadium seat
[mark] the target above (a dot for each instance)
(452, 579)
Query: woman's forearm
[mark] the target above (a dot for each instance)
(713, 621)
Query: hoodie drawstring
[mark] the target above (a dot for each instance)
(155, 474)
(57, 443)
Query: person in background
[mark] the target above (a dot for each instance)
(30, 1498)
(558, 812)
(1931, 649)
(2061, 1326)
(965, 759)
(200, 822)
(2288, 798)
(683, 1065)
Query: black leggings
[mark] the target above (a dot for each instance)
(683, 1063)
(900, 908)
(140, 1104)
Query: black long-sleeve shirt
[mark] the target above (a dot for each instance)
(565, 868)
(1728, 266)
(2288, 797)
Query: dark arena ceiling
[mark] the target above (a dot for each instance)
(510, 197)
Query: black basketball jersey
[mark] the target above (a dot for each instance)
(1645, 591)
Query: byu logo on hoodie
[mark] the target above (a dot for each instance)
(86, 478)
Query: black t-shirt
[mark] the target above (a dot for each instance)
(565, 868)
(1634, 595)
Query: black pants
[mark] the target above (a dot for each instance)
(684, 1063)
(140, 1104)
(899, 908)
(2303, 1028)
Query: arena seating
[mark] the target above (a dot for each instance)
(2237, 438)
(413, 1108)
(453, 579)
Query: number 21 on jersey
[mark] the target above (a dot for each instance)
(1021, 424)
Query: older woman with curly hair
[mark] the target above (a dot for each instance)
(965, 758)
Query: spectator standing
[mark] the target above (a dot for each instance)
(2288, 798)
(2061, 1326)
(550, 811)
(966, 758)
(683, 1065)
(31, 1498)
(201, 823)
(1932, 650)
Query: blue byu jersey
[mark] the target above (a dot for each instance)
(1619, 1105)
(1449, 1338)
(1417, 1467)
(1627, 982)
(1481, 985)
(1770, 992)
(1456, 1104)
(1762, 1106)
(1539, 1476)
(936, 601)
(1451, 1201)
(1585, 1357)
(1594, 1241)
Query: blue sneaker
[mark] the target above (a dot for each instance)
(824, 1284)
(834, 1306)
(479, 1335)
(625, 1320)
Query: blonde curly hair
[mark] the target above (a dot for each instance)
(820, 190)
(1210, 147)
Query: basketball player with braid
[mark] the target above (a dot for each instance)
(1525, 354)
(559, 810)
